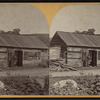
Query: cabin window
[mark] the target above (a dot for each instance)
(31, 55)
(98, 55)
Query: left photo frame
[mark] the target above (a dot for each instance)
(24, 50)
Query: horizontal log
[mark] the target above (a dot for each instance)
(3, 51)
(73, 58)
(74, 51)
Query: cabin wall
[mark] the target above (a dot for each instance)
(3, 57)
(71, 56)
(80, 55)
(57, 48)
(74, 56)
(7, 57)
(32, 58)
(55, 52)
(58, 52)
(98, 57)
(44, 54)
(29, 57)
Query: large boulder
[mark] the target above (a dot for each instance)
(64, 82)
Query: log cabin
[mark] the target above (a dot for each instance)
(75, 48)
(19, 50)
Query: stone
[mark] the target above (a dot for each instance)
(2, 86)
(64, 82)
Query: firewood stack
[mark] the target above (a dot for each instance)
(59, 65)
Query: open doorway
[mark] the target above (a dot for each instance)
(19, 58)
(93, 57)
(15, 58)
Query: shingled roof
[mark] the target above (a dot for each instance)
(20, 41)
(78, 39)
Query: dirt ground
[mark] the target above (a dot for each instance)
(58, 76)
(75, 73)
(26, 72)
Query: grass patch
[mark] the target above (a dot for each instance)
(88, 68)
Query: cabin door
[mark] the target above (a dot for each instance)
(19, 58)
(93, 55)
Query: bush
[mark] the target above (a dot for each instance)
(94, 86)
(46, 85)
(23, 85)
(87, 85)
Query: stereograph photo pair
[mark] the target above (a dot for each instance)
(50, 49)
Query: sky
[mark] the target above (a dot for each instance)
(27, 18)
(76, 17)
(60, 17)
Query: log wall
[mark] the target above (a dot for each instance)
(55, 52)
(74, 56)
(31, 58)
(3, 57)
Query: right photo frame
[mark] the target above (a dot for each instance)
(75, 50)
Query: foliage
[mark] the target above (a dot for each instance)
(15, 31)
(22, 85)
(94, 86)
(87, 85)
(46, 85)
(90, 31)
